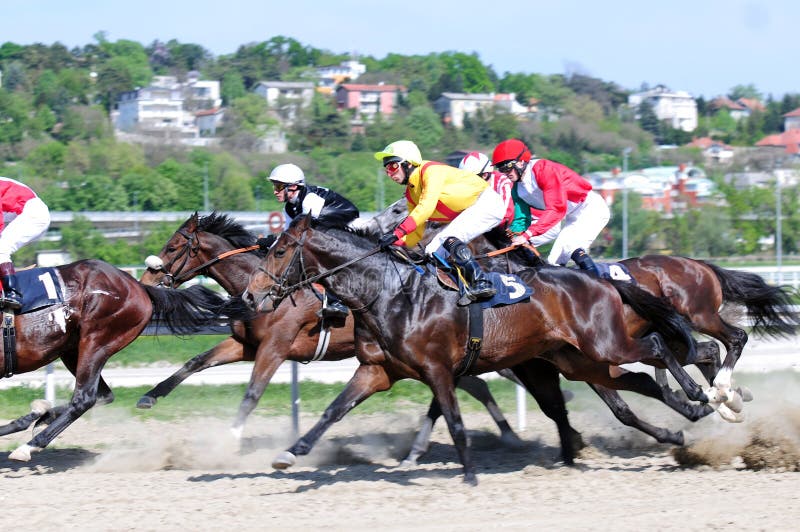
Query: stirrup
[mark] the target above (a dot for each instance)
(482, 293)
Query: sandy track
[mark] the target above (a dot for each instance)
(106, 473)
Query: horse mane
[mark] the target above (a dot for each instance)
(226, 227)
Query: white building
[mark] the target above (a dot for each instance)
(679, 108)
(331, 76)
(166, 108)
(286, 98)
(453, 107)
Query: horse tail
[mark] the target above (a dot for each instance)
(663, 317)
(185, 311)
(769, 307)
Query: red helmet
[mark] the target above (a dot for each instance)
(511, 150)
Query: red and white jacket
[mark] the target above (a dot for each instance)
(13, 197)
(553, 189)
(502, 185)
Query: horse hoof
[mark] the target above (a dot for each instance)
(40, 406)
(285, 460)
(237, 432)
(22, 453)
(735, 402)
(729, 415)
(470, 479)
(746, 394)
(407, 463)
(146, 402)
(509, 439)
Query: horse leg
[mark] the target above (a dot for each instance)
(423, 439)
(83, 398)
(227, 351)
(39, 407)
(440, 380)
(265, 367)
(367, 380)
(477, 388)
(662, 353)
(625, 415)
(541, 379)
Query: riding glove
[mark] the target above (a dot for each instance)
(387, 240)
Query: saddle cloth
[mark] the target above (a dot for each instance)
(39, 287)
(510, 288)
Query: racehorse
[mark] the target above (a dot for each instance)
(218, 247)
(697, 289)
(396, 317)
(101, 309)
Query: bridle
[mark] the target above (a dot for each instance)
(190, 250)
(281, 289)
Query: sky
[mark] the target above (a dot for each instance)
(704, 47)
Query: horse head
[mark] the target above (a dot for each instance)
(282, 270)
(193, 250)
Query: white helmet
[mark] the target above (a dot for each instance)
(290, 174)
(476, 162)
(403, 150)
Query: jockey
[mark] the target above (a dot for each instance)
(25, 218)
(478, 163)
(325, 206)
(437, 192)
(561, 195)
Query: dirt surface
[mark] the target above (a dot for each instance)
(106, 473)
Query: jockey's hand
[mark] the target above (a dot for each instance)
(519, 240)
(387, 240)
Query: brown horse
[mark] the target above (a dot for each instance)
(102, 309)
(397, 310)
(698, 290)
(218, 247)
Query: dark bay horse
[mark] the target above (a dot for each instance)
(218, 247)
(698, 290)
(397, 312)
(103, 309)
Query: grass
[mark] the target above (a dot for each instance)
(223, 400)
(169, 349)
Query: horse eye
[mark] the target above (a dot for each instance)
(170, 249)
(280, 252)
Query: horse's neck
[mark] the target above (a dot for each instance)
(233, 273)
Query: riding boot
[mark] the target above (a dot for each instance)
(478, 286)
(333, 309)
(11, 298)
(585, 262)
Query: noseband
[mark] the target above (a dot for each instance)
(190, 250)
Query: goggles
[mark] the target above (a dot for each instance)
(278, 187)
(391, 167)
(505, 167)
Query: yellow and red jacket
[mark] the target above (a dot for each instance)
(436, 192)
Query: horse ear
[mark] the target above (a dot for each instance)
(192, 222)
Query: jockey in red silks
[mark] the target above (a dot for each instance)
(562, 196)
(25, 218)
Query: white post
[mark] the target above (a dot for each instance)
(522, 407)
(50, 384)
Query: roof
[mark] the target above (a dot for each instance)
(208, 112)
(783, 139)
(706, 143)
(751, 103)
(726, 103)
(373, 88)
(796, 112)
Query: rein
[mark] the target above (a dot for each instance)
(187, 274)
(504, 250)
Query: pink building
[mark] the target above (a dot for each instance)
(369, 100)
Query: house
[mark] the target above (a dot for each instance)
(791, 120)
(787, 140)
(166, 108)
(454, 107)
(712, 149)
(678, 108)
(368, 100)
(286, 98)
(739, 109)
(208, 120)
(331, 76)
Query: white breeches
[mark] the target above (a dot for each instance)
(26, 227)
(580, 228)
(486, 213)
